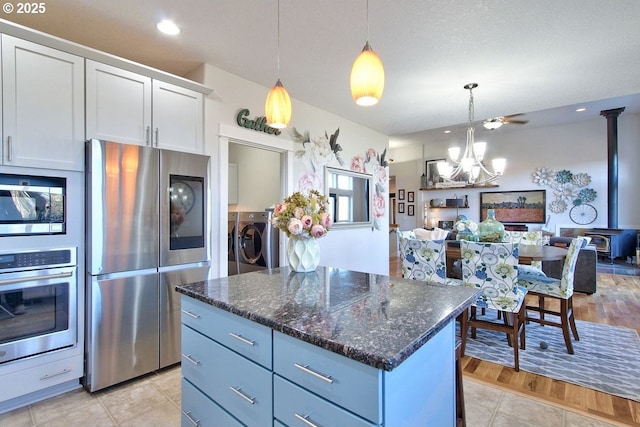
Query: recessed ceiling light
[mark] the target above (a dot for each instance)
(581, 109)
(447, 131)
(168, 27)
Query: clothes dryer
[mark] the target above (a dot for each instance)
(232, 243)
(258, 242)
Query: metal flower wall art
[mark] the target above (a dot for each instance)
(569, 189)
(318, 152)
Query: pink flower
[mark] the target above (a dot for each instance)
(295, 226)
(317, 231)
(307, 222)
(378, 205)
(280, 207)
(357, 164)
(325, 220)
(308, 182)
(298, 212)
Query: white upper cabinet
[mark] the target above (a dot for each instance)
(118, 104)
(127, 107)
(42, 106)
(178, 117)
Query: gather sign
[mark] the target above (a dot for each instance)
(259, 124)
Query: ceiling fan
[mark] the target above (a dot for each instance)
(496, 122)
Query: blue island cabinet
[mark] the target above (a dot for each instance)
(239, 372)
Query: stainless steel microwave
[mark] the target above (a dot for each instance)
(32, 205)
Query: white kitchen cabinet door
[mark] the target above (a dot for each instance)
(178, 117)
(118, 104)
(42, 106)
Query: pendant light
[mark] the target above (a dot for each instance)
(278, 104)
(367, 75)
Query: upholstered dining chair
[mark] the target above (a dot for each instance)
(526, 238)
(424, 260)
(493, 268)
(558, 289)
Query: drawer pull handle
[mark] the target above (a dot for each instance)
(191, 359)
(190, 418)
(243, 339)
(306, 369)
(304, 419)
(47, 376)
(190, 314)
(240, 393)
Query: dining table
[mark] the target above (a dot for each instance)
(526, 254)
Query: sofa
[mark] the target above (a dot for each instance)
(585, 273)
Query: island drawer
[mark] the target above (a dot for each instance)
(346, 382)
(248, 338)
(293, 403)
(198, 409)
(240, 386)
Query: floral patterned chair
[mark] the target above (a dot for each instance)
(493, 268)
(559, 289)
(527, 238)
(424, 260)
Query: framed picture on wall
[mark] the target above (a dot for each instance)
(410, 209)
(431, 170)
(400, 207)
(401, 194)
(410, 196)
(528, 206)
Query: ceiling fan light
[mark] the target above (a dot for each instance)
(278, 107)
(492, 124)
(367, 78)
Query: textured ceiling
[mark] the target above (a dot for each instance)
(542, 57)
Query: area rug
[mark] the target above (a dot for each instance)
(607, 358)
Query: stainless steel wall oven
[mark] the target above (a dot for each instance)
(38, 302)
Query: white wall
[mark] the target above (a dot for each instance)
(357, 249)
(579, 147)
(258, 177)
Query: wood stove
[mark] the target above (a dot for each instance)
(613, 242)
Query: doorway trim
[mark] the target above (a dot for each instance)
(232, 134)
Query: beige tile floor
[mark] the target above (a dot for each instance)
(154, 401)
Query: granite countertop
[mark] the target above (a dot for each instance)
(374, 319)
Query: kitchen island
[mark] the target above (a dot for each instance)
(332, 347)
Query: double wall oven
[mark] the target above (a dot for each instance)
(38, 302)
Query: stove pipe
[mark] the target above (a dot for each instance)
(612, 162)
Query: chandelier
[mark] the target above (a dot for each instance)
(470, 169)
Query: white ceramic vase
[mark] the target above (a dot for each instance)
(303, 254)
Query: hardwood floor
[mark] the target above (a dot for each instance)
(617, 303)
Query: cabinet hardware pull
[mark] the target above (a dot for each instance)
(146, 135)
(239, 392)
(191, 359)
(157, 136)
(304, 419)
(306, 369)
(35, 278)
(47, 376)
(190, 418)
(9, 148)
(190, 314)
(242, 339)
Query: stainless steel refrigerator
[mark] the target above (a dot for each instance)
(147, 231)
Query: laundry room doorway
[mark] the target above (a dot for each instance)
(256, 172)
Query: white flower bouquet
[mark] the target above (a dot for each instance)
(303, 216)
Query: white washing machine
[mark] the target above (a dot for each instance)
(258, 242)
